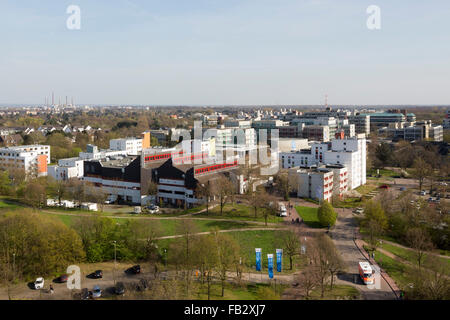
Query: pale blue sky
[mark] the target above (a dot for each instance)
(216, 52)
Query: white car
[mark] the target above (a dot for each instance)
(423, 192)
(153, 209)
(39, 283)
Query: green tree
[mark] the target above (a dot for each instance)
(326, 214)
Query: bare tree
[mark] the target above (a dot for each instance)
(223, 188)
(420, 241)
(228, 250)
(308, 279)
(291, 244)
(421, 170)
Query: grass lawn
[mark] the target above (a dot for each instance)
(6, 205)
(383, 172)
(168, 227)
(397, 270)
(244, 292)
(410, 256)
(239, 212)
(366, 188)
(267, 240)
(339, 292)
(309, 216)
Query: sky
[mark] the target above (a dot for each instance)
(226, 52)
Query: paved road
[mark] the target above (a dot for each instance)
(342, 235)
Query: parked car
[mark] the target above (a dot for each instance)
(39, 283)
(96, 292)
(423, 192)
(85, 294)
(402, 188)
(119, 289)
(384, 186)
(134, 269)
(97, 274)
(153, 209)
(62, 278)
(358, 211)
(142, 285)
(430, 199)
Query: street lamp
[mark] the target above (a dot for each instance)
(115, 256)
(165, 260)
(14, 266)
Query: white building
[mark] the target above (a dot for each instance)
(133, 146)
(350, 152)
(33, 159)
(67, 169)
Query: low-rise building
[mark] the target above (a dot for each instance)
(32, 159)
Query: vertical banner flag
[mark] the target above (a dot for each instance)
(258, 259)
(270, 265)
(279, 259)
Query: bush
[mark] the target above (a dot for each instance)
(326, 214)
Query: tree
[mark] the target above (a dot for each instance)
(318, 252)
(206, 258)
(383, 154)
(35, 194)
(433, 284)
(228, 255)
(375, 221)
(5, 183)
(223, 188)
(291, 244)
(420, 241)
(326, 214)
(56, 188)
(308, 279)
(335, 262)
(256, 199)
(268, 207)
(421, 170)
(184, 247)
(204, 191)
(42, 245)
(283, 186)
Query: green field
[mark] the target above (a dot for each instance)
(5, 205)
(341, 292)
(239, 212)
(267, 240)
(398, 271)
(244, 292)
(410, 256)
(168, 227)
(309, 216)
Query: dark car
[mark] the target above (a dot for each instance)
(62, 278)
(97, 274)
(119, 289)
(142, 285)
(134, 269)
(85, 294)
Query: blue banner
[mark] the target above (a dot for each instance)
(279, 259)
(270, 265)
(258, 259)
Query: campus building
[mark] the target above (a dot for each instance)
(119, 177)
(31, 159)
(349, 152)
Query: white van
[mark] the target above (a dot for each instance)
(282, 210)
